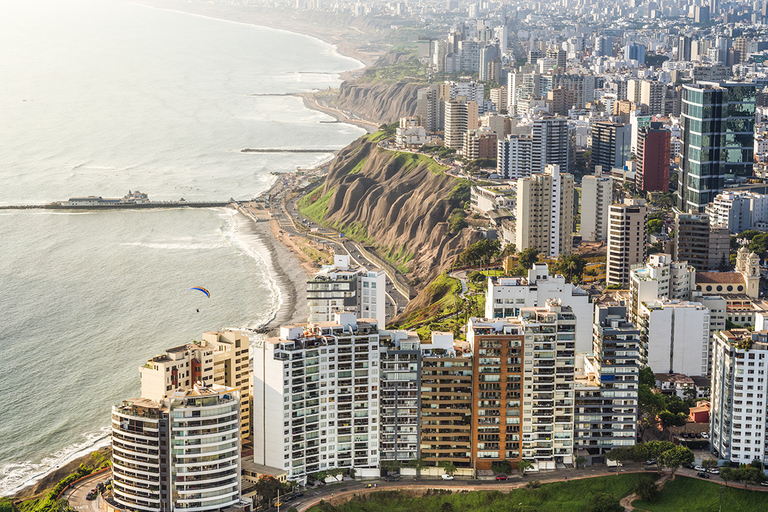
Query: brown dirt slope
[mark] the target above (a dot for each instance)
(378, 102)
(398, 202)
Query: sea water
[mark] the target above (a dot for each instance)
(98, 98)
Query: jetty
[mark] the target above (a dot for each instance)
(288, 150)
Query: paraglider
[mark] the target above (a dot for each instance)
(200, 289)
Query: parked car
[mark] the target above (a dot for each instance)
(702, 475)
(446, 476)
(714, 471)
(704, 435)
(699, 468)
(650, 462)
(392, 478)
(764, 484)
(502, 477)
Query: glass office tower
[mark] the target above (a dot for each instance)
(718, 125)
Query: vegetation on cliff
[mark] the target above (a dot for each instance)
(398, 202)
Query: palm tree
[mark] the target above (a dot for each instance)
(418, 464)
(448, 466)
(524, 465)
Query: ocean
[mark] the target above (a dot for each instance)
(99, 98)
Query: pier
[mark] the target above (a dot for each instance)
(121, 206)
(284, 150)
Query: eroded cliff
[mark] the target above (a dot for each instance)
(398, 202)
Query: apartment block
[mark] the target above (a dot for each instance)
(164, 456)
(316, 398)
(739, 396)
(545, 212)
(513, 156)
(703, 246)
(479, 143)
(399, 386)
(675, 336)
(606, 384)
(738, 211)
(446, 404)
(611, 144)
(523, 393)
(653, 147)
(660, 278)
(347, 288)
(551, 144)
(626, 240)
(596, 199)
(506, 296)
(461, 115)
(220, 358)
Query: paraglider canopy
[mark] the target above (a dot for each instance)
(198, 288)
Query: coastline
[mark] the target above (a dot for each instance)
(240, 14)
(311, 103)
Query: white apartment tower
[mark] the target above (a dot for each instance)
(513, 157)
(660, 278)
(316, 398)
(551, 144)
(346, 288)
(506, 296)
(739, 395)
(596, 199)
(162, 452)
(675, 336)
(626, 240)
(544, 212)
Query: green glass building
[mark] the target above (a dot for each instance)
(718, 128)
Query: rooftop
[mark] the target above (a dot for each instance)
(719, 278)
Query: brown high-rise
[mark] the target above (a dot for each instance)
(653, 144)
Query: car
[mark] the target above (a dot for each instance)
(714, 471)
(699, 468)
(502, 477)
(650, 462)
(764, 484)
(299, 494)
(392, 478)
(704, 435)
(446, 476)
(702, 475)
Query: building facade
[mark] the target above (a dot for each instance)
(596, 199)
(626, 240)
(652, 173)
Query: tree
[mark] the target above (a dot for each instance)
(267, 487)
(418, 464)
(448, 466)
(390, 465)
(748, 475)
(502, 466)
(647, 490)
(580, 461)
(676, 457)
(647, 377)
(655, 226)
(524, 465)
(669, 419)
(457, 220)
(508, 250)
(708, 463)
(604, 502)
(571, 266)
(726, 474)
(336, 472)
(528, 257)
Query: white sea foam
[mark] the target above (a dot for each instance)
(15, 476)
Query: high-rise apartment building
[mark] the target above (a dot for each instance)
(606, 400)
(429, 108)
(221, 358)
(347, 288)
(660, 278)
(446, 403)
(544, 212)
(653, 147)
(611, 144)
(479, 143)
(506, 296)
(596, 199)
(461, 115)
(626, 239)
(551, 144)
(652, 94)
(165, 458)
(701, 245)
(521, 414)
(739, 392)
(739, 211)
(718, 124)
(513, 156)
(316, 398)
(675, 336)
(399, 395)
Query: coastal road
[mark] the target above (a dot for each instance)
(75, 495)
(287, 214)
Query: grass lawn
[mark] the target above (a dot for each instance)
(692, 495)
(570, 496)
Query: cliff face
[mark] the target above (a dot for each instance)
(395, 201)
(378, 102)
